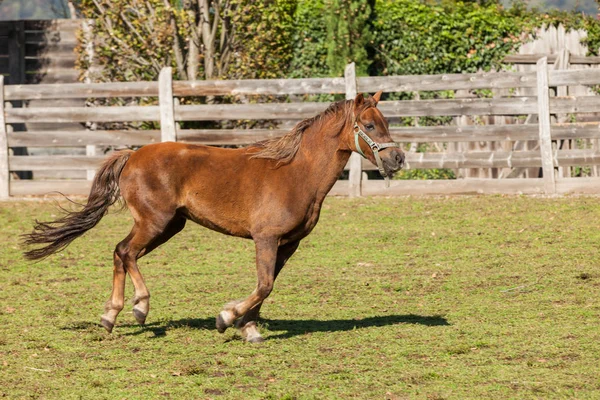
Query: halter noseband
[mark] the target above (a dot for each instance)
(375, 147)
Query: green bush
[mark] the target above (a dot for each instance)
(265, 42)
(309, 41)
(314, 38)
(328, 35)
(413, 37)
(348, 35)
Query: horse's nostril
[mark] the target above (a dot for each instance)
(400, 158)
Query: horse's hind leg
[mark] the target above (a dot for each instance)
(247, 324)
(115, 303)
(141, 299)
(144, 237)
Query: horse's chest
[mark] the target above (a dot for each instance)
(313, 218)
(305, 224)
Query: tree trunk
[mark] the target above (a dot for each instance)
(208, 36)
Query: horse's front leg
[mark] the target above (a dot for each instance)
(266, 258)
(247, 323)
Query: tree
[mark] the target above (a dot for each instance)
(263, 39)
(309, 41)
(135, 39)
(348, 34)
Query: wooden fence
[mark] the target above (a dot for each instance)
(169, 112)
(38, 51)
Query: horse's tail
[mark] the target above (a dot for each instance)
(58, 234)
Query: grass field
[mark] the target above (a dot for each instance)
(432, 298)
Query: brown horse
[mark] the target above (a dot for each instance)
(270, 192)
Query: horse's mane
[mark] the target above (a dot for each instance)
(284, 149)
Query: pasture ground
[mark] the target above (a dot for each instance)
(433, 298)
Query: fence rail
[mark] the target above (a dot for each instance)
(547, 155)
(408, 83)
(299, 111)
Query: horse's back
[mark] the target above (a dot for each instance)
(170, 165)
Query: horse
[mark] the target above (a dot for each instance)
(270, 192)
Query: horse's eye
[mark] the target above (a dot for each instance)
(369, 127)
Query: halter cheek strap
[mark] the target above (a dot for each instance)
(375, 148)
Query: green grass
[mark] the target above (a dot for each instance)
(426, 298)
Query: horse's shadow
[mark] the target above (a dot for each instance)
(301, 327)
(291, 327)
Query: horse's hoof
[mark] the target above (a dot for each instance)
(256, 339)
(221, 324)
(140, 317)
(107, 324)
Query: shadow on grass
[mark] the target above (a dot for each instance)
(292, 327)
(301, 327)
(158, 328)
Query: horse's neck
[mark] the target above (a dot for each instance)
(320, 161)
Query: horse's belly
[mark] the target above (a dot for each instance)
(219, 223)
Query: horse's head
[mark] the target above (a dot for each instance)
(371, 136)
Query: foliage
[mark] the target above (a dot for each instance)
(458, 298)
(319, 52)
(263, 41)
(593, 36)
(420, 37)
(425, 174)
(412, 37)
(347, 35)
(311, 38)
(133, 40)
(309, 41)
(428, 37)
(568, 19)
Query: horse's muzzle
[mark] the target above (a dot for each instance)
(393, 161)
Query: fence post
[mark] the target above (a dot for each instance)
(544, 126)
(88, 38)
(165, 102)
(4, 174)
(562, 63)
(90, 151)
(355, 176)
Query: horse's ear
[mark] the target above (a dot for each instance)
(377, 96)
(359, 100)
